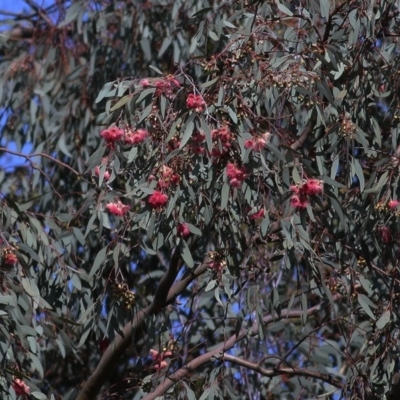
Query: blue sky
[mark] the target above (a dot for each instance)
(19, 5)
(16, 6)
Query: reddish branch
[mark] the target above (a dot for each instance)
(270, 373)
(33, 165)
(227, 345)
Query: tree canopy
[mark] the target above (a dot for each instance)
(205, 202)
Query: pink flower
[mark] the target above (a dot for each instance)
(223, 134)
(112, 135)
(157, 199)
(145, 83)
(159, 358)
(10, 259)
(160, 366)
(257, 215)
(20, 387)
(393, 204)
(312, 187)
(172, 81)
(236, 175)
(249, 144)
(299, 202)
(195, 102)
(183, 230)
(166, 86)
(118, 208)
(135, 137)
(106, 176)
(168, 177)
(294, 189)
(258, 143)
(235, 183)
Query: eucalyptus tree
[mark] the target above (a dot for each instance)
(203, 201)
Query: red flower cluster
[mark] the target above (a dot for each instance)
(119, 209)
(183, 230)
(168, 177)
(158, 357)
(157, 199)
(235, 175)
(20, 387)
(311, 187)
(112, 135)
(224, 136)
(196, 102)
(10, 258)
(196, 145)
(164, 86)
(257, 215)
(258, 143)
(135, 137)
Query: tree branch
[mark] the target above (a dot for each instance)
(304, 135)
(116, 349)
(29, 156)
(270, 373)
(227, 345)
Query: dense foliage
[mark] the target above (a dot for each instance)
(206, 200)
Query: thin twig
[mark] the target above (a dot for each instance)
(270, 373)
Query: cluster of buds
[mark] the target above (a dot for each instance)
(210, 65)
(168, 177)
(334, 284)
(122, 293)
(8, 258)
(361, 262)
(347, 127)
(289, 78)
(196, 102)
(257, 143)
(301, 193)
(235, 175)
(396, 115)
(165, 86)
(391, 205)
(107, 174)
(217, 261)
